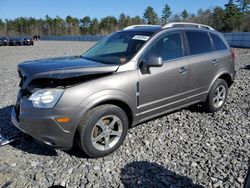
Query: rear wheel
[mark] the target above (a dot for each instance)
(217, 96)
(102, 130)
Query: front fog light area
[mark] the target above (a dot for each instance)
(46, 98)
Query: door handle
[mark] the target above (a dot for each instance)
(183, 70)
(215, 62)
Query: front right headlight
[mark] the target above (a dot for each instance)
(46, 98)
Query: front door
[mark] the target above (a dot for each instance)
(164, 88)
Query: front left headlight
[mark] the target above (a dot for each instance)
(46, 98)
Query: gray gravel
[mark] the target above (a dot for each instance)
(187, 148)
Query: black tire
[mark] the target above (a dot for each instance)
(209, 105)
(88, 127)
(247, 179)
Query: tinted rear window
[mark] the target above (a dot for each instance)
(218, 43)
(199, 42)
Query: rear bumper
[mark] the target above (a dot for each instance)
(41, 124)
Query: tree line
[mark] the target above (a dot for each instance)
(234, 16)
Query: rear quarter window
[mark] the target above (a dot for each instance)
(199, 42)
(218, 43)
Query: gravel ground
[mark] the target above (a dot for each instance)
(187, 148)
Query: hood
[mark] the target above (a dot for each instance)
(61, 68)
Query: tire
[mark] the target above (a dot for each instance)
(217, 96)
(97, 137)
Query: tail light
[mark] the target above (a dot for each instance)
(233, 54)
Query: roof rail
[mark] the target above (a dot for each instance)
(187, 24)
(138, 26)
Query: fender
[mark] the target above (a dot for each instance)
(108, 95)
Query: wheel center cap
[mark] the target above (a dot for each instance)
(107, 132)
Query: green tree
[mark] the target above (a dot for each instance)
(176, 18)
(20, 25)
(72, 25)
(218, 18)
(85, 24)
(204, 17)
(123, 21)
(166, 13)
(94, 27)
(184, 15)
(108, 24)
(233, 17)
(150, 15)
(59, 25)
(135, 20)
(2, 24)
(244, 5)
(50, 25)
(33, 25)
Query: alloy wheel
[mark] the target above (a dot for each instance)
(219, 96)
(106, 132)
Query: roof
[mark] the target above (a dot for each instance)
(187, 24)
(150, 28)
(156, 28)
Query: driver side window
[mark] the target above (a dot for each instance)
(168, 47)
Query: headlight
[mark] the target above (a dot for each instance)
(46, 98)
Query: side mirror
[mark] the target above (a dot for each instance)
(150, 62)
(154, 62)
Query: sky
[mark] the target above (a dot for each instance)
(10, 9)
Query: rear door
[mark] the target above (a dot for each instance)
(221, 54)
(202, 61)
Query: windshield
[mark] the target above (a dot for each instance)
(117, 48)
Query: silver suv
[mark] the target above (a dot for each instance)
(131, 76)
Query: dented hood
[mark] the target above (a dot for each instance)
(63, 67)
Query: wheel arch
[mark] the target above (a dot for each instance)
(123, 105)
(225, 76)
(115, 97)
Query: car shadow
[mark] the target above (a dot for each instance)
(148, 174)
(21, 141)
(198, 108)
(247, 67)
(193, 108)
(77, 152)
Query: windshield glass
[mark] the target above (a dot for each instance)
(117, 48)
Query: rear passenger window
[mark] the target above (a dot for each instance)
(199, 42)
(218, 43)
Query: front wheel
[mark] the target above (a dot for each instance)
(102, 130)
(217, 96)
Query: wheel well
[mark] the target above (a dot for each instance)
(227, 78)
(123, 106)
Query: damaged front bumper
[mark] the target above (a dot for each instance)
(41, 124)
